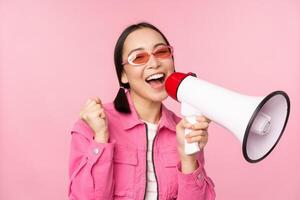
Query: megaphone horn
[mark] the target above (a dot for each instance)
(258, 122)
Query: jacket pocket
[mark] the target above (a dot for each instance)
(124, 155)
(125, 163)
(170, 161)
(170, 158)
(123, 195)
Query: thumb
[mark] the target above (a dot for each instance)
(98, 100)
(183, 124)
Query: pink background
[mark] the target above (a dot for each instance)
(56, 54)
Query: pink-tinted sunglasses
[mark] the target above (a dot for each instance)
(142, 57)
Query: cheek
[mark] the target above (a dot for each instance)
(134, 75)
(170, 65)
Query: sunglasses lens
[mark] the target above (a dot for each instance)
(140, 58)
(163, 52)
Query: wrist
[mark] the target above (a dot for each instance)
(189, 165)
(188, 158)
(101, 138)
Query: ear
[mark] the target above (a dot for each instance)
(124, 78)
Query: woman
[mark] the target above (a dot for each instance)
(133, 148)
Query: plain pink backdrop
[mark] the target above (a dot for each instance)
(56, 54)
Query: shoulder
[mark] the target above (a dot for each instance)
(109, 108)
(170, 116)
(111, 113)
(174, 117)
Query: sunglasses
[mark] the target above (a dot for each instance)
(142, 57)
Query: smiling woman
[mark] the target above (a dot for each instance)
(135, 58)
(133, 148)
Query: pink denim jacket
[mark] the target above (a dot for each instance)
(118, 169)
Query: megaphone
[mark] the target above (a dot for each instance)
(257, 122)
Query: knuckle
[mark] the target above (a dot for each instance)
(89, 100)
(205, 124)
(98, 99)
(83, 116)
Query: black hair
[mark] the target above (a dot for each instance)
(121, 102)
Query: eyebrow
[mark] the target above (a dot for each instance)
(140, 48)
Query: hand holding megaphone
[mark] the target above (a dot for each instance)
(258, 122)
(190, 114)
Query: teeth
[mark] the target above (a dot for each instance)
(155, 76)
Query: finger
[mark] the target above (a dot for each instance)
(99, 110)
(200, 125)
(202, 145)
(102, 115)
(94, 114)
(93, 103)
(88, 101)
(94, 107)
(182, 124)
(196, 133)
(186, 124)
(98, 100)
(197, 139)
(202, 118)
(83, 116)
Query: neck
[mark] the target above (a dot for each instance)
(147, 110)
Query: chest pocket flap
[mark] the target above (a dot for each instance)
(170, 158)
(125, 155)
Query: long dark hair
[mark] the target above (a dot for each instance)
(121, 102)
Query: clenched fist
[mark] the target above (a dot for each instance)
(93, 114)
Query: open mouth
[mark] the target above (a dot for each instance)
(156, 80)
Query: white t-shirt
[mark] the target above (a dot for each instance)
(151, 190)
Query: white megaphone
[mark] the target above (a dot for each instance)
(258, 122)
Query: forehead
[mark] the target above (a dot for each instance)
(142, 38)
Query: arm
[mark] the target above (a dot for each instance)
(90, 167)
(195, 184)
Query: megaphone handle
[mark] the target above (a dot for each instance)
(190, 148)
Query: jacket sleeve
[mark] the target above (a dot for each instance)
(196, 185)
(90, 167)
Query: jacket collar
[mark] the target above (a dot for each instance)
(131, 120)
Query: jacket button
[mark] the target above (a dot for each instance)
(95, 151)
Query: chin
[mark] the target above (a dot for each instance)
(160, 97)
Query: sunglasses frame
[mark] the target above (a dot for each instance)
(152, 53)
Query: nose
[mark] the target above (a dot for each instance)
(152, 62)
